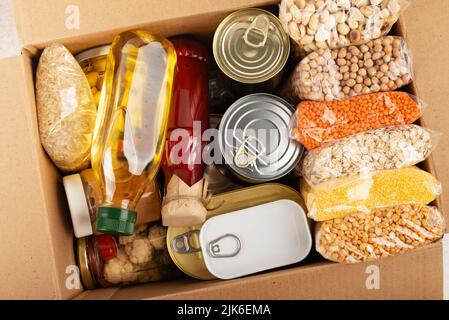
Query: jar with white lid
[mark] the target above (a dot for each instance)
(84, 194)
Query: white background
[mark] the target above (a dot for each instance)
(9, 45)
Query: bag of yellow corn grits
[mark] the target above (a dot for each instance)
(362, 193)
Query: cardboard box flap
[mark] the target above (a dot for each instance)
(427, 37)
(39, 24)
(36, 236)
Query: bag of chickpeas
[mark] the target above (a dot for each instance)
(380, 65)
(381, 233)
(321, 24)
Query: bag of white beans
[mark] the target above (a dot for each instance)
(393, 147)
(315, 24)
(381, 65)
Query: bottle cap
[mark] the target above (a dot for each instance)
(116, 221)
(79, 209)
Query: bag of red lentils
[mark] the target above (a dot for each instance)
(316, 123)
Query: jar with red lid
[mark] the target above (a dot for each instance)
(106, 260)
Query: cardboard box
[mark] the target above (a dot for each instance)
(36, 236)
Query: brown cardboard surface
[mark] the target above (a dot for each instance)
(33, 264)
(36, 233)
(412, 276)
(427, 26)
(104, 16)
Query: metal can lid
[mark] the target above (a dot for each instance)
(93, 52)
(254, 138)
(83, 264)
(185, 251)
(250, 46)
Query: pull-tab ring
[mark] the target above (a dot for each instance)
(259, 26)
(245, 155)
(181, 244)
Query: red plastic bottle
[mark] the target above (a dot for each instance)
(182, 156)
(182, 163)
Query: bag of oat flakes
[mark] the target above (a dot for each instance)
(393, 147)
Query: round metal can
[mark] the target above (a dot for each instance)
(183, 243)
(254, 138)
(251, 48)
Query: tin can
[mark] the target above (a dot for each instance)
(183, 243)
(251, 49)
(254, 138)
(93, 63)
(255, 239)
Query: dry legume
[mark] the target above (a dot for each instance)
(380, 65)
(383, 232)
(316, 123)
(315, 24)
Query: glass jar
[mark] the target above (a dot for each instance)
(93, 63)
(106, 260)
(84, 195)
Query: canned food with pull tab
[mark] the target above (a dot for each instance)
(255, 239)
(251, 48)
(184, 243)
(254, 138)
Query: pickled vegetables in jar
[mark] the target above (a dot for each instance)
(106, 260)
(93, 63)
(131, 125)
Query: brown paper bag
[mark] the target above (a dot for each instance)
(184, 206)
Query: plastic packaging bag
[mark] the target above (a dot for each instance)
(365, 192)
(383, 232)
(315, 24)
(66, 109)
(380, 65)
(378, 149)
(315, 123)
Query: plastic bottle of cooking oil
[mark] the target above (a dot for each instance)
(131, 124)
